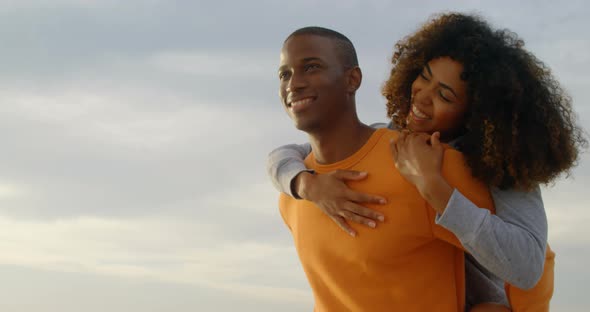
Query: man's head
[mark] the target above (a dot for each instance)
(344, 47)
(319, 76)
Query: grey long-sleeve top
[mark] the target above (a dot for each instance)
(510, 245)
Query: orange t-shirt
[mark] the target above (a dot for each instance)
(408, 263)
(537, 298)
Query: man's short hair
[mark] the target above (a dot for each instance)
(343, 45)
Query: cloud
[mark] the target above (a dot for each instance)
(160, 249)
(10, 191)
(106, 149)
(49, 3)
(566, 208)
(212, 64)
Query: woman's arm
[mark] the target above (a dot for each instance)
(510, 244)
(328, 191)
(284, 164)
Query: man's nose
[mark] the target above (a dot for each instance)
(297, 82)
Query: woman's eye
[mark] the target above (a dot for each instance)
(442, 95)
(423, 75)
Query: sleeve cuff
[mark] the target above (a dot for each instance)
(288, 174)
(462, 217)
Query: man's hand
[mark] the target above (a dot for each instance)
(331, 194)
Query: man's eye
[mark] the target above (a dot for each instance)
(311, 66)
(282, 75)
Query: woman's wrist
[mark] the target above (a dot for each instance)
(436, 191)
(301, 185)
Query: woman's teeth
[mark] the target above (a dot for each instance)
(418, 113)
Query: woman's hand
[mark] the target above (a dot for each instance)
(331, 194)
(418, 157)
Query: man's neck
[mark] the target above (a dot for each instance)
(339, 141)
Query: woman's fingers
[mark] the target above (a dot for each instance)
(341, 222)
(350, 216)
(365, 212)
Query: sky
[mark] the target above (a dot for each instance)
(135, 136)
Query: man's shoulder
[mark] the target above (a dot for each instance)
(378, 125)
(388, 134)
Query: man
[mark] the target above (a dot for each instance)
(408, 263)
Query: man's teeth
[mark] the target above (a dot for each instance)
(418, 113)
(300, 102)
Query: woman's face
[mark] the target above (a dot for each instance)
(439, 99)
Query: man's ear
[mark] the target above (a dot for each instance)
(355, 77)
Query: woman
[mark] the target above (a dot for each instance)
(478, 90)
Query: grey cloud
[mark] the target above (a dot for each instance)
(53, 291)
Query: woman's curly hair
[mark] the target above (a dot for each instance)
(520, 129)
